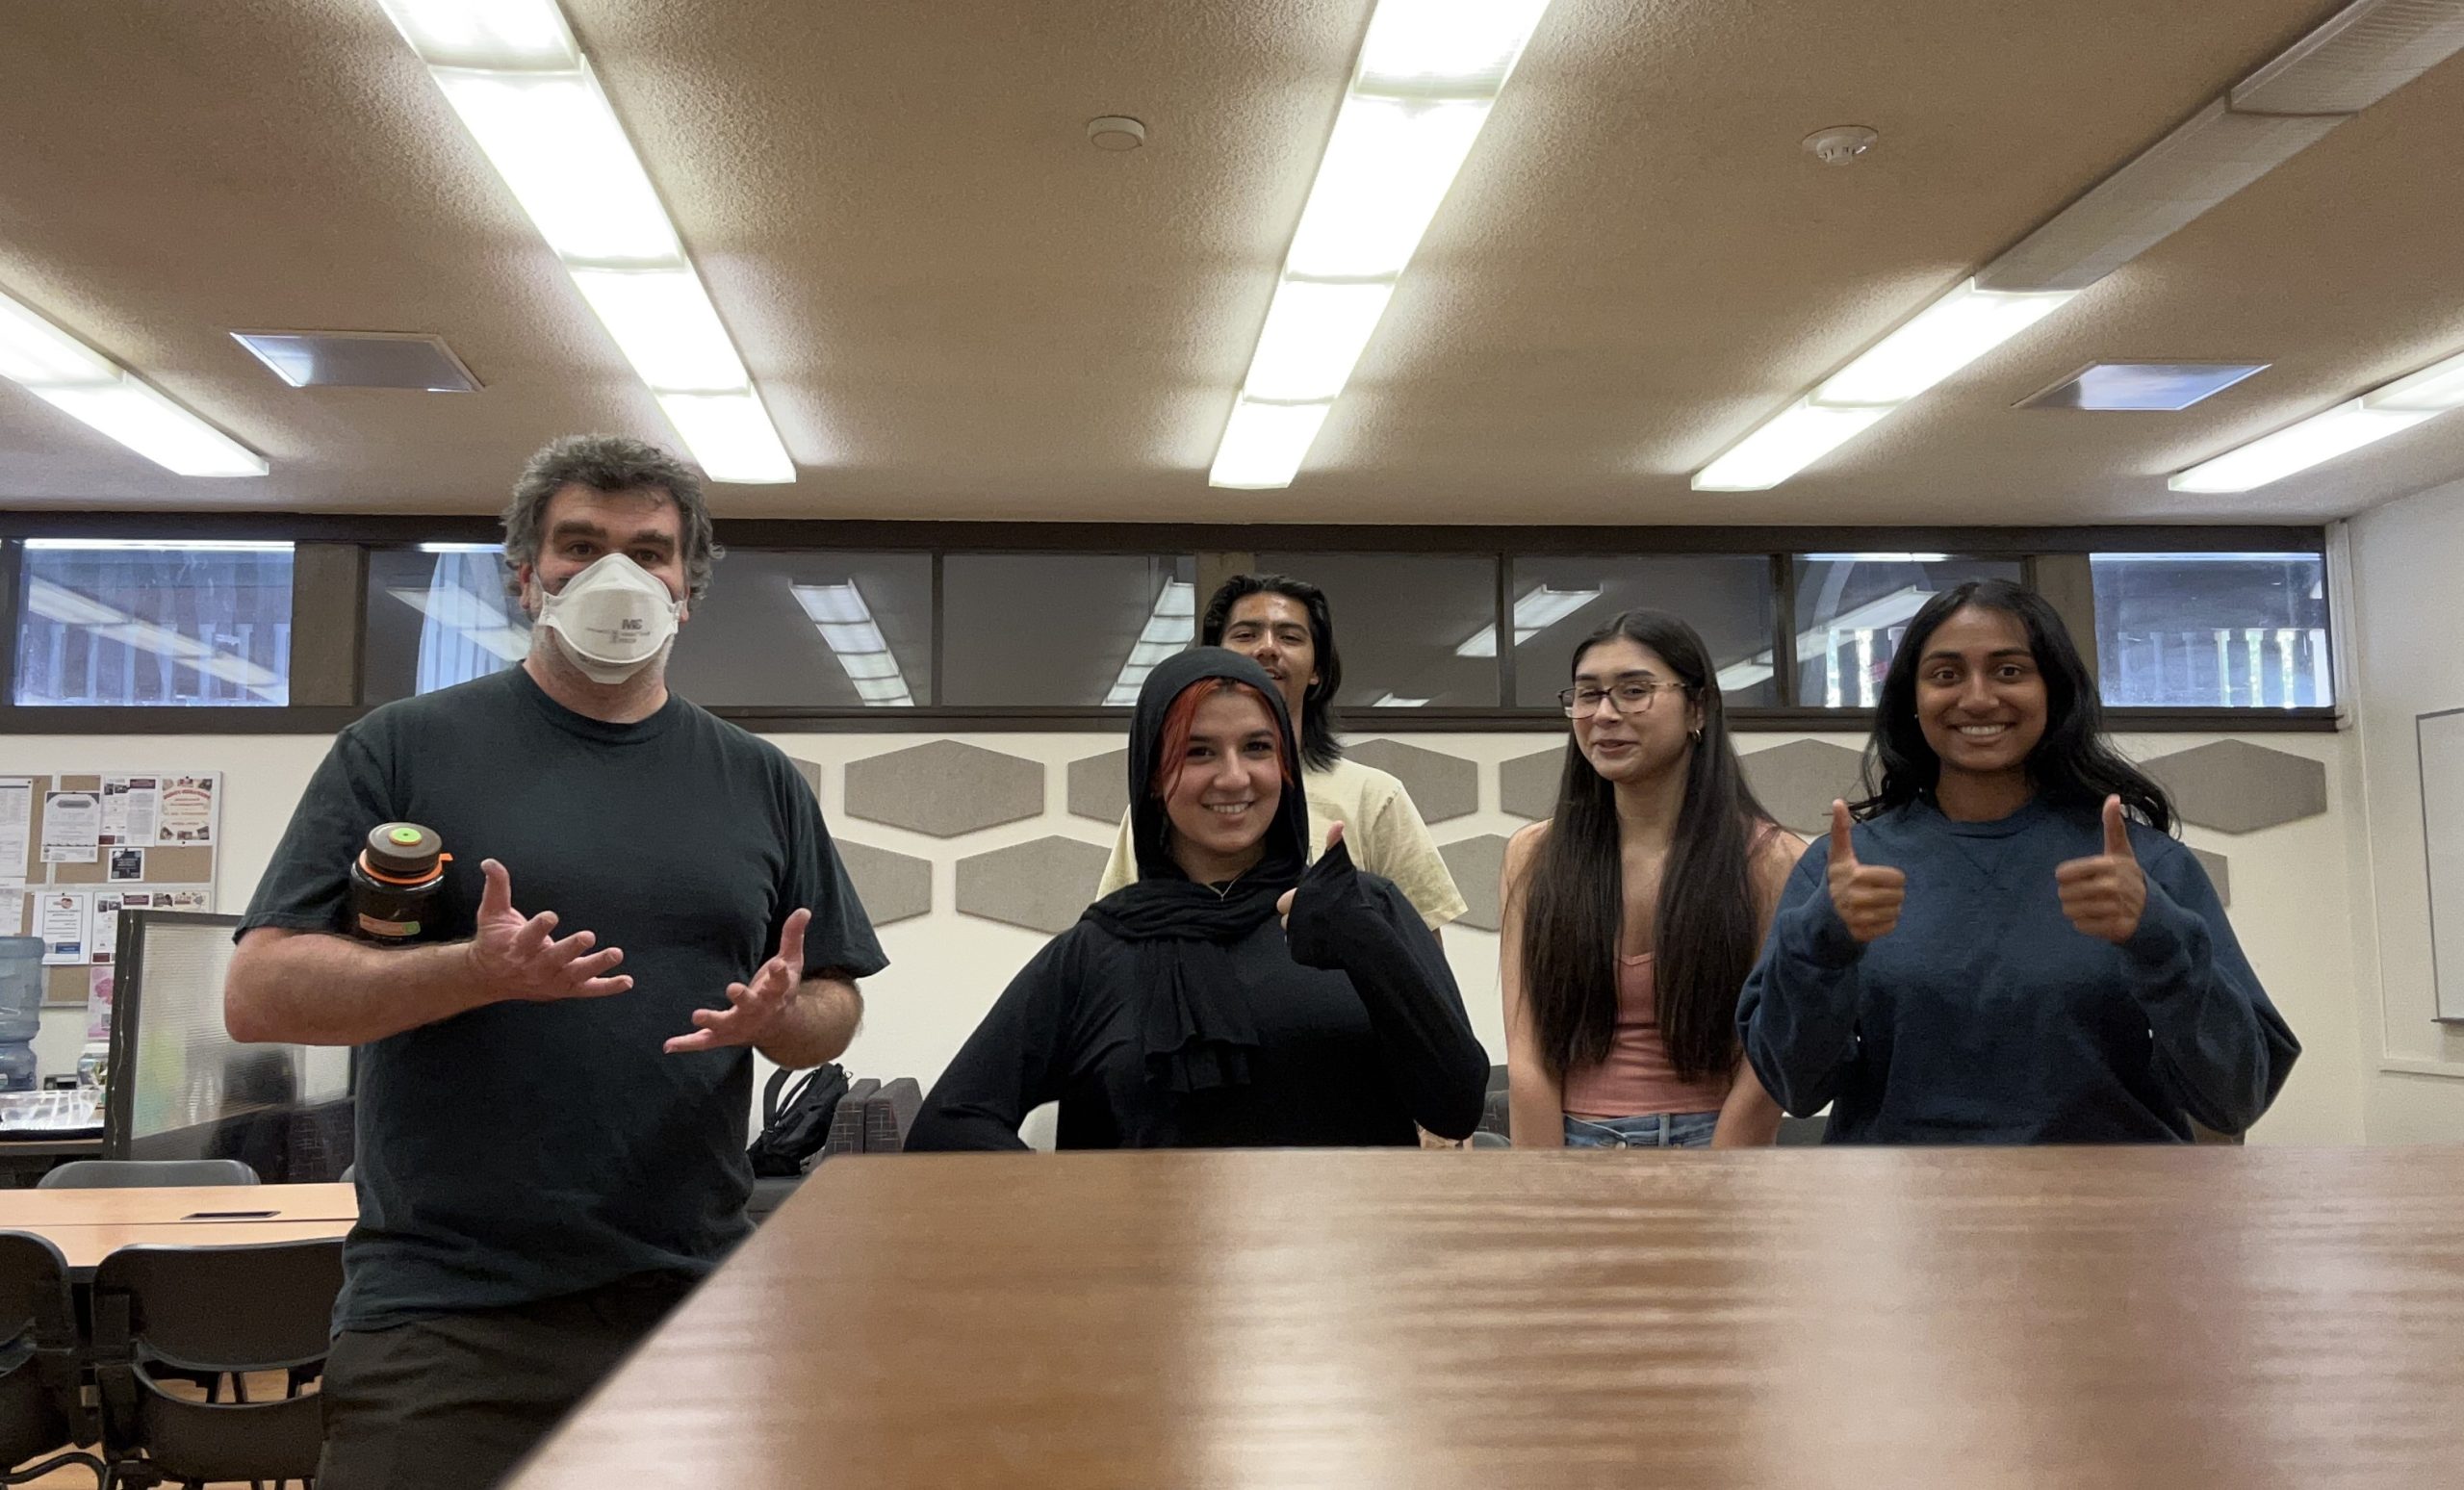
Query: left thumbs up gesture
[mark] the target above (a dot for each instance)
(2104, 895)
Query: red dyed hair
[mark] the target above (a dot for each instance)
(1180, 722)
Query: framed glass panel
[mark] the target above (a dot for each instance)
(807, 628)
(120, 622)
(1561, 598)
(2212, 630)
(1061, 630)
(1852, 609)
(1415, 630)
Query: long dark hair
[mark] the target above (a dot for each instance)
(1705, 930)
(1321, 745)
(2073, 765)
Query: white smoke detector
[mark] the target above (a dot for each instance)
(1115, 131)
(1840, 144)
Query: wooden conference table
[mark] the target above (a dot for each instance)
(88, 1224)
(2080, 1318)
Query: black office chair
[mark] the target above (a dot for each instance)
(41, 1411)
(1494, 1116)
(146, 1173)
(178, 1313)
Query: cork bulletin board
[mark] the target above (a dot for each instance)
(77, 849)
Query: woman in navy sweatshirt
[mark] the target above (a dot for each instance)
(2007, 946)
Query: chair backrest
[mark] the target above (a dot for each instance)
(38, 1369)
(1795, 1131)
(146, 1173)
(219, 1309)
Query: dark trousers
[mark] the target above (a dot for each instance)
(453, 1401)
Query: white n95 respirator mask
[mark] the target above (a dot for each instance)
(611, 619)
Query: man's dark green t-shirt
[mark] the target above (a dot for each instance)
(521, 1151)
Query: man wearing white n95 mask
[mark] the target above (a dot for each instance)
(553, 1087)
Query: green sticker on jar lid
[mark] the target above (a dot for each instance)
(405, 836)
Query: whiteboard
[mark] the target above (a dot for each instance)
(2442, 750)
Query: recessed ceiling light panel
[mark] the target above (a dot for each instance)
(2164, 386)
(360, 359)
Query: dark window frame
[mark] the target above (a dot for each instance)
(1499, 544)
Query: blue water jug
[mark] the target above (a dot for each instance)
(20, 1010)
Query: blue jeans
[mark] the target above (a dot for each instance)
(1651, 1130)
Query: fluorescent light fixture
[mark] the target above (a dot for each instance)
(155, 427)
(1171, 627)
(847, 627)
(556, 141)
(1874, 615)
(504, 35)
(524, 90)
(663, 320)
(1264, 443)
(1428, 73)
(1945, 337)
(1388, 164)
(1535, 610)
(1315, 333)
(461, 548)
(1877, 558)
(1397, 701)
(157, 544)
(91, 388)
(2321, 437)
(35, 352)
(2438, 387)
(1802, 433)
(1941, 338)
(731, 435)
(56, 602)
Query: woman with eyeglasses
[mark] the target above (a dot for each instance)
(1992, 951)
(1632, 914)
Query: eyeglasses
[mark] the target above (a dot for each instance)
(1631, 698)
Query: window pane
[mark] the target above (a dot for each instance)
(782, 630)
(2210, 631)
(1061, 630)
(1852, 609)
(1561, 598)
(437, 615)
(175, 623)
(1414, 630)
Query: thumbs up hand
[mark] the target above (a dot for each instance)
(2104, 895)
(1866, 896)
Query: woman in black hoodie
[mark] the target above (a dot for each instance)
(1230, 996)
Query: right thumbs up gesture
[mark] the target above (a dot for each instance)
(1866, 896)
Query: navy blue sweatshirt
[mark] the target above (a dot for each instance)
(1984, 1017)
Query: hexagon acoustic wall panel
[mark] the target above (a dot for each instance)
(1527, 784)
(1099, 786)
(1799, 781)
(2219, 872)
(2236, 786)
(894, 887)
(944, 788)
(1041, 885)
(1443, 787)
(1475, 864)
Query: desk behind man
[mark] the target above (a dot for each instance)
(553, 1104)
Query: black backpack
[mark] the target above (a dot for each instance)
(795, 1129)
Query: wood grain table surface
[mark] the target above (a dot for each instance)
(2049, 1318)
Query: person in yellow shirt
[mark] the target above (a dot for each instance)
(1286, 627)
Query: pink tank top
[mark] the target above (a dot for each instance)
(1638, 1079)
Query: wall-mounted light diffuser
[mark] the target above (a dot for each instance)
(1427, 74)
(522, 87)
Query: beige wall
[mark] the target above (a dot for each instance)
(2401, 659)
(2292, 894)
